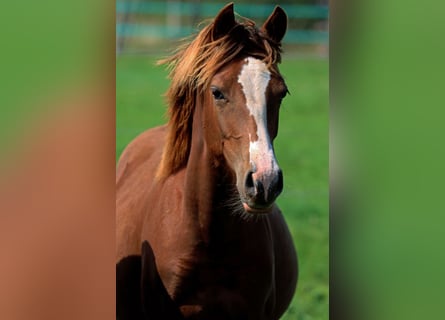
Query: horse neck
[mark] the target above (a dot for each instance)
(205, 181)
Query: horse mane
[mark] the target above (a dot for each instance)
(192, 67)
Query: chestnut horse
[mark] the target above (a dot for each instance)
(199, 235)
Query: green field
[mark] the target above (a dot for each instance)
(301, 148)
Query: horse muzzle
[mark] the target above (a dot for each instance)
(261, 189)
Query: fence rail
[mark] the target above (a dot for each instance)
(175, 19)
(210, 9)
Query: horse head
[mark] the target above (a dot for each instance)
(231, 70)
(244, 98)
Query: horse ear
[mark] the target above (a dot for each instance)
(224, 21)
(276, 25)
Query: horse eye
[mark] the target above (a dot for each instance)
(217, 94)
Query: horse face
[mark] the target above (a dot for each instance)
(247, 97)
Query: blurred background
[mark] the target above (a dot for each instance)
(147, 31)
(145, 26)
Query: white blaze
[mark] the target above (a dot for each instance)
(254, 79)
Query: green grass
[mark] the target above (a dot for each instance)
(301, 148)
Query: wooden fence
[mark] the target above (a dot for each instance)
(178, 19)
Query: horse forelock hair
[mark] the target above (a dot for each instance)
(192, 67)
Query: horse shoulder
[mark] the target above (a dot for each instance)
(147, 147)
(136, 171)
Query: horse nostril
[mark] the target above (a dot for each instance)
(279, 186)
(249, 184)
(271, 189)
(249, 180)
(264, 190)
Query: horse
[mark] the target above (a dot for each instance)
(199, 235)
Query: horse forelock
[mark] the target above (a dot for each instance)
(191, 69)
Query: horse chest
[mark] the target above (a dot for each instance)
(231, 277)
